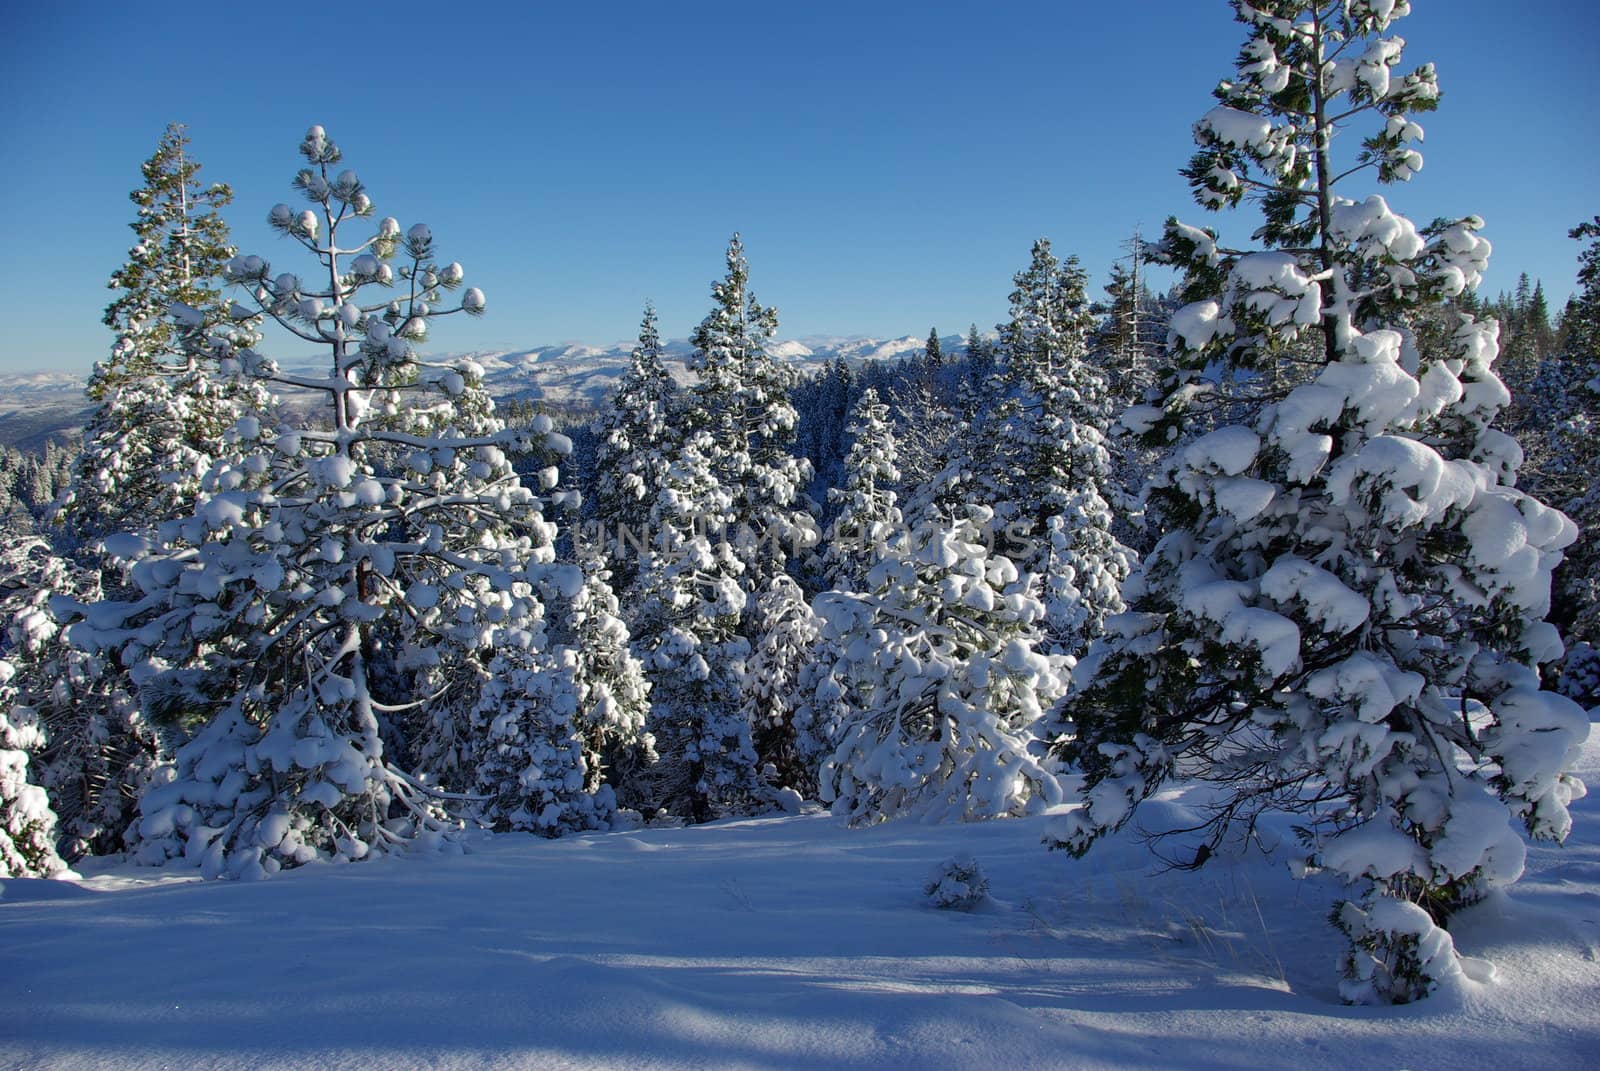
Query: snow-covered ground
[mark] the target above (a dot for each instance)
(778, 942)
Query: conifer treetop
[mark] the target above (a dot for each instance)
(177, 257)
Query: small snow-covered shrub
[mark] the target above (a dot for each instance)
(957, 884)
(1396, 954)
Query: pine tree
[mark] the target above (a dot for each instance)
(788, 743)
(1562, 436)
(613, 704)
(96, 750)
(1580, 321)
(182, 243)
(922, 435)
(1350, 590)
(554, 713)
(724, 525)
(1538, 323)
(1050, 460)
(1125, 344)
(322, 563)
(940, 684)
(742, 401)
(690, 600)
(868, 516)
(161, 413)
(27, 824)
(980, 357)
(633, 443)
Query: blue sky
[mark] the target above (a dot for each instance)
(888, 164)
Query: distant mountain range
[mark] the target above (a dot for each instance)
(572, 375)
(41, 407)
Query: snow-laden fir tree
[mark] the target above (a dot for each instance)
(382, 525)
(565, 721)
(633, 443)
(723, 526)
(27, 824)
(553, 713)
(439, 737)
(1580, 320)
(1046, 474)
(742, 402)
(1563, 441)
(689, 600)
(95, 748)
(941, 681)
(182, 244)
(161, 414)
(788, 742)
(1345, 613)
(946, 459)
(868, 514)
(613, 690)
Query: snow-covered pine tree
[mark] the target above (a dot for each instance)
(554, 715)
(182, 244)
(533, 767)
(161, 413)
(609, 684)
(1580, 319)
(788, 742)
(742, 402)
(922, 437)
(613, 691)
(633, 442)
(27, 824)
(1563, 441)
(689, 600)
(1050, 463)
(261, 614)
(1345, 613)
(941, 683)
(562, 707)
(932, 359)
(723, 528)
(439, 738)
(94, 751)
(868, 516)
(947, 461)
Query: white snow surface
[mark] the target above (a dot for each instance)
(783, 942)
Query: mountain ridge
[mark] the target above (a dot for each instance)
(42, 406)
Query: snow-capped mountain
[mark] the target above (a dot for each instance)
(39, 406)
(32, 390)
(573, 374)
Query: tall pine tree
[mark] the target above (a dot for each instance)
(1345, 613)
(633, 443)
(326, 569)
(161, 413)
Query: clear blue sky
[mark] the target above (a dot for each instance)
(888, 164)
